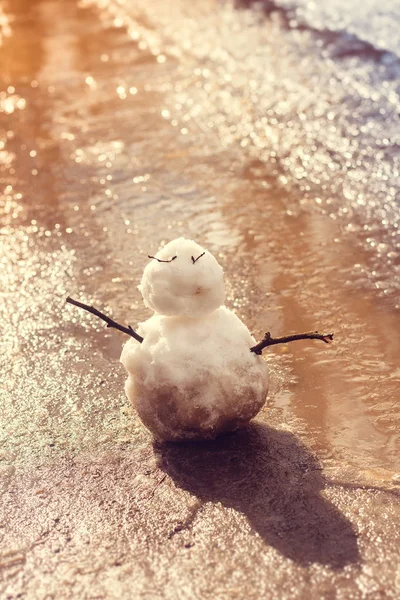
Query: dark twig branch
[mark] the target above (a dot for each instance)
(110, 323)
(270, 341)
(257, 349)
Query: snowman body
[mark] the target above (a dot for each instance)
(194, 375)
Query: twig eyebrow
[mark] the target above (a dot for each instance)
(160, 260)
(196, 259)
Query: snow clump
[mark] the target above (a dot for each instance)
(193, 376)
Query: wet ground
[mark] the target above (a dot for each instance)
(274, 142)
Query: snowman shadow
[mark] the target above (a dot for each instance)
(272, 479)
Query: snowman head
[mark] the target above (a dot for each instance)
(183, 279)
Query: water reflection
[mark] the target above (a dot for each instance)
(149, 131)
(286, 152)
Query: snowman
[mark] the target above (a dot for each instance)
(197, 371)
(193, 376)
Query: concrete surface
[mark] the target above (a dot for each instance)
(304, 503)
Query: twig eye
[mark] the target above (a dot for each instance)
(196, 259)
(163, 261)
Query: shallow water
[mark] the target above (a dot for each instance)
(227, 125)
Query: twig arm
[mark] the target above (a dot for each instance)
(270, 341)
(110, 323)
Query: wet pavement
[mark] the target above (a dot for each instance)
(123, 125)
